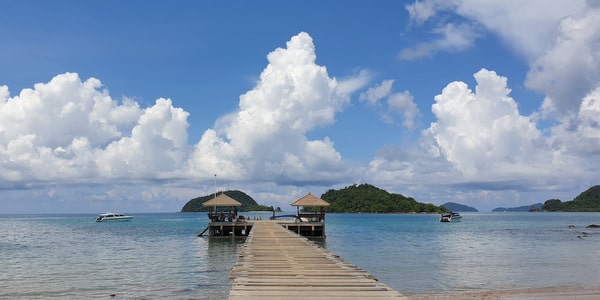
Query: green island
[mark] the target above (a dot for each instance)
(366, 198)
(248, 204)
(363, 198)
(588, 201)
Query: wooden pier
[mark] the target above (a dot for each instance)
(227, 229)
(276, 263)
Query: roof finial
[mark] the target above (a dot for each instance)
(215, 186)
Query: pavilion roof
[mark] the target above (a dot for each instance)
(222, 200)
(310, 200)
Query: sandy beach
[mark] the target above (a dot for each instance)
(529, 294)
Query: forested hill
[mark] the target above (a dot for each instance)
(453, 206)
(586, 201)
(529, 208)
(248, 204)
(366, 198)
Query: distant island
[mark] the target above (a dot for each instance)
(248, 204)
(451, 206)
(366, 198)
(531, 208)
(588, 201)
(363, 198)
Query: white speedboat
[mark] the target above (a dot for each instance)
(451, 217)
(109, 216)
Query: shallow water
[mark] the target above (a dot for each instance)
(151, 256)
(159, 256)
(486, 251)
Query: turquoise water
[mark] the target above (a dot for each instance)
(486, 251)
(159, 256)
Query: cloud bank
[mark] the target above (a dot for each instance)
(70, 131)
(481, 136)
(480, 144)
(559, 42)
(266, 138)
(395, 104)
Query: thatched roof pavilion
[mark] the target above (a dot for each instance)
(222, 200)
(310, 200)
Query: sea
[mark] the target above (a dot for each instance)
(160, 256)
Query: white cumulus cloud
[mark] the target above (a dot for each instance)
(69, 131)
(156, 148)
(558, 39)
(401, 104)
(482, 133)
(526, 26)
(72, 130)
(580, 137)
(570, 68)
(448, 38)
(480, 140)
(266, 137)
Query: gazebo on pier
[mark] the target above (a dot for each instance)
(225, 223)
(310, 200)
(222, 200)
(310, 224)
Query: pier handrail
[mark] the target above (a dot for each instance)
(222, 216)
(312, 217)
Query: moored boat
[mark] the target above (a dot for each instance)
(451, 217)
(109, 216)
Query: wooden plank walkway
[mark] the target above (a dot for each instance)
(276, 263)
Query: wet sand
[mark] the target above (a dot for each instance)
(530, 294)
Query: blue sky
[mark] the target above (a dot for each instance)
(136, 105)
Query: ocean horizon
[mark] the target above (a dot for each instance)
(158, 255)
